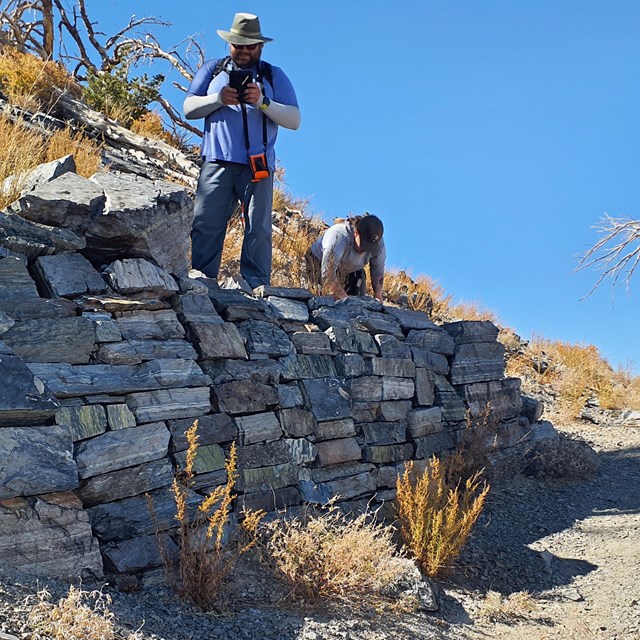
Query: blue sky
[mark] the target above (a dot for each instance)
(489, 135)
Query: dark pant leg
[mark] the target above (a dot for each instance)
(257, 199)
(215, 200)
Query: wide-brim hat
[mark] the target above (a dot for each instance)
(370, 230)
(244, 30)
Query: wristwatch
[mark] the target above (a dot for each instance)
(265, 103)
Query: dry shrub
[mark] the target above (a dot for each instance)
(562, 458)
(86, 152)
(150, 125)
(81, 615)
(436, 519)
(20, 152)
(498, 608)
(31, 82)
(330, 555)
(204, 559)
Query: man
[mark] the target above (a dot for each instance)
(338, 257)
(240, 130)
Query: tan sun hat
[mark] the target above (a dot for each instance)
(244, 30)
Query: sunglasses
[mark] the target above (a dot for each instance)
(248, 47)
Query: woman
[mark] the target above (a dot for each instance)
(337, 259)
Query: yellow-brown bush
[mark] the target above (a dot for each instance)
(328, 555)
(204, 559)
(30, 82)
(435, 518)
(150, 125)
(86, 152)
(80, 615)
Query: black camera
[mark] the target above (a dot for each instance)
(239, 79)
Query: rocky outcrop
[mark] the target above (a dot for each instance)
(108, 355)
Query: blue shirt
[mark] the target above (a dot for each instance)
(223, 129)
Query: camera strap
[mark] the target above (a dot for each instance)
(264, 71)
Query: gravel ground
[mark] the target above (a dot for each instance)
(573, 545)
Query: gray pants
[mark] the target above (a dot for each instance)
(220, 186)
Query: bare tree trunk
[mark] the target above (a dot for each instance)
(47, 26)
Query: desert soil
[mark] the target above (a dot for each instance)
(573, 546)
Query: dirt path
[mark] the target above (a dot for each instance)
(575, 547)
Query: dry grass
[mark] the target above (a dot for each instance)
(575, 372)
(564, 458)
(81, 615)
(32, 83)
(150, 125)
(515, 607)
(86, 152)
(328, 555)
(205, 560)
(436, 519)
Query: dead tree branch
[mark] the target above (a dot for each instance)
(617, 254)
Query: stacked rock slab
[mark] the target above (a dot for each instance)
(108, 356)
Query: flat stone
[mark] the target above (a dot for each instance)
(393, 410)
(24, 398)
(336, 471)
(121, 449)
(68, 275)
(106, 330)
(301, 451)
(286, 309)
(409, 319)
(136, 275)
(432, 444)
(477, 362)
(212, 429)
(34, 308)
(292, 293)
(425, 421)
(235, 306)
(119, 416)
(69, 201)
(333, 429)
(366, 411)
(49, 536)
(119, 304)
(217, 341)
(349, 365)
(6, 322)
(138, 554)
(533, 409)
(397, 388)
(318, 302)
(472, 331)
(193, 307)
(366, 388)
(381, 433)
(301, 367)
(377, 323)
(434, 339)
(326, 318)
(150, 325)
(391, 347)
(361, 484)
(311, 343)
(265, 337)
(167, 404)
(352, 340)
(266, 478)
(263, 371)
(15, 281)
(46, 172)
(384, 454)
(264, 454)
(67, 381)
(327, 398)
(297, 423)
(501, 396)
(431, 361)
(258, 427)
(394, 367)
(36, 460)
(83, 422)
(209, 457)
(137, 351)
(453, 408)
(69, 340)
(289, 396)
(125, 483)
(338, 451)
(244, 396)
(425, 384)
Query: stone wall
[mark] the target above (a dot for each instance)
(109, 354)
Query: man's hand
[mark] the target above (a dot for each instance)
(252, 95)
